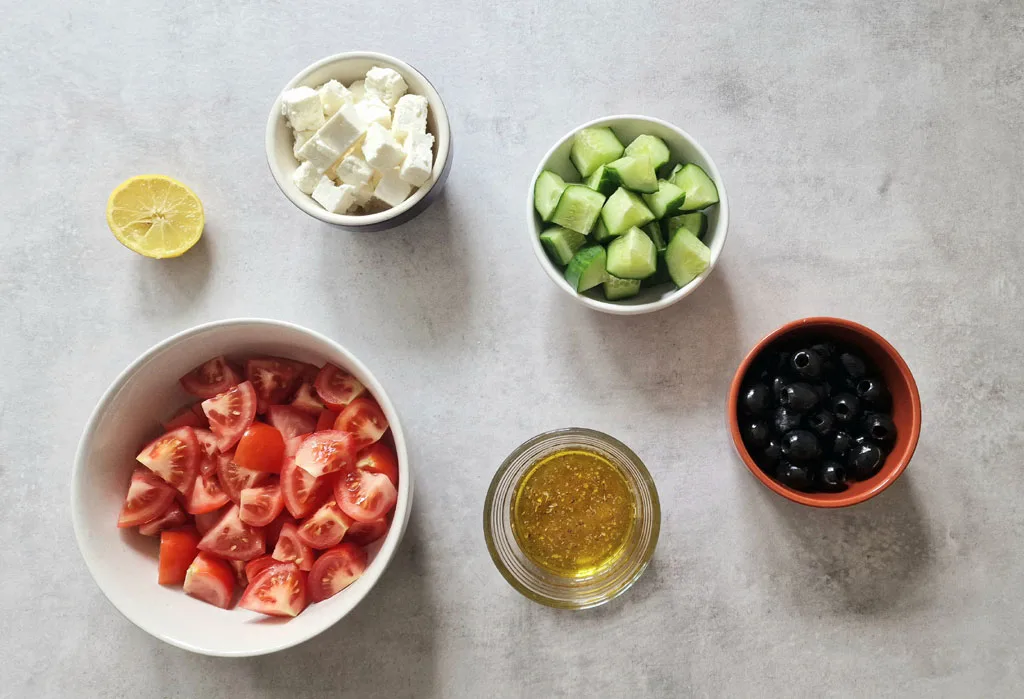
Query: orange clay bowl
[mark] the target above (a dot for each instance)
(906, 407)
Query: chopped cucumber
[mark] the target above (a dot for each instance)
(594, 147)
(632, 255)
(686, 257)
(616, 289)
(546, 192)
(623, 210)
(675, 171)
(587, 268)
(653, 231)
(577, 208)
(635, 172)
(561, 243)
(602, 181)
(651, 146)
(660, 276)
(600, 233)
(696, 223)
(667, 200)
(701, 192)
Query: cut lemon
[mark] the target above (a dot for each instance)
(155, 216)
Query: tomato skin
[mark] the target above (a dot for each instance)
(230, 414)
(364, 419)
(365, 533)
(234, 478)
(206, 522)
(173, 517)
(186, 417)
(174, 457)
(307, 400)
(364, 496)
(261, 448)
(324, 528)
(326, 420)
(290, 421)
(211, 580)
(261, 505)
(278, 590)
(209, 456)
(258, 565)
(379, 458)
(147, 499)
(290, 548)
(232, 538)
(177, 551)
(273, 530)
(210, 378)
(326, 452)
(336, 569)
(274, 379)
(206, 496)
(336, 387)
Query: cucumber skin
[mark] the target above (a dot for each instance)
(690, 178)
(578, 272)
(653, 231)
(599, 233)
(602, 181)
(538, 203)
(616, 289)
(660, 276)
(572, 240)
(674, 223)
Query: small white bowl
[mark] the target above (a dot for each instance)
(684, 149)
(347, 68)
(124, 563)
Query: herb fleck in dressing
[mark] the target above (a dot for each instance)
(573, 513)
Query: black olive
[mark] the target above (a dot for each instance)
(778, 383)
(755, 434)
(846, 408)
(873, 392)
(756, 399)
(826, 350)
(799, 397)
(841, 443)
(794, 476)
(806, 363)
(785, 420)
(822, 422)
(853, 365)
(831, 477)
(800, 446)
(771, 454)
(864, 460)
(880, 428)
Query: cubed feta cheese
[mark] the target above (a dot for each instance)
(342, 130)
(306, 177)
(332, 95)
(419, 159)
(301, 137)
(371, 109)
(354, 171)
(358, 90)
(410, 116)
(391, 189)
(302, 107)
(319, 153)
(364, 194)
(381, 149)
(336, 199)
(386, 84)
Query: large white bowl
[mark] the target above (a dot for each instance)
(684, 149)
(124, 563)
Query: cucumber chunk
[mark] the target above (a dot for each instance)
(696, 223)
(546, 192)
(587, 268)
(686, 257)
(634, 172)
(561, 243)
(616, 289)
(577, 208)
(667, 200)
(594, 147)
(651, 146)
(701, 192)
(632, 255)
(675, 171)
(653, 231)
(602, 181)
(600, 233)
(660, 276)
(623, 210)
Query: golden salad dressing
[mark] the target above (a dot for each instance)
(573, 513)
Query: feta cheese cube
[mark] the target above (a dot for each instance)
(332, 96)
(364, 194)
(301, 137)
(354, 171)
(306, 177)
(391, 189)
(371, 109)
(319, 153)
(386, 84)
(337, 200)
(302, 107)
(342, 130)
(358, 90)
(419, 159)
(381, 149)
(410, 116)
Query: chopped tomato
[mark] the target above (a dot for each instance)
(260, 449)
(174, 516)
(278, 590)
(206, 496)
(177, 551)
(209, 379)
(186, 417)
(208, 448)
(337, 387)
(325, 527)
(211, 580)
(363, 418)
(234, 479)
(274, 379)
(363, 495)
(174, 457)
(273, 530)
(335, 570)
(291, 446)
(197, 408)
(239, 568)
(261, 505)
(326, 452)
(307, 400)
(233, 538)
(290, 421)
(205, 522)
(364, 533)
(148, 498)
(290, 548)
(379, 458)
(230, 414)
(307, 372)
(257, 565)
(326, 420)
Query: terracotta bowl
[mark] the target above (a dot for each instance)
(906, 406)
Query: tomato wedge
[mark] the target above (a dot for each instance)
(261, 448)
(206, 496)
(291, 446)
(290, 548)
(278, 590)
(174, 516)
(148, 498)
(326, 452)
(177, 551)
(186, 417)
(290, 421)
(365, 533)
(335, 570)
(210, 378)
(363, 418)
(273, 530)
(211, 580)
(326, 420)
(363, 495)
(274, 379)
(205, 522)
(379, 458)
(325, 527)
(257, 565)
(336, 386)
(261, 505)
(230, 414)
(233, 538)
(239, 569)
(174, 457)
(307, 400)
(234, 479)
(208, 449)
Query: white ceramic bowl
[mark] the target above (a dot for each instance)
(124, 563)
(347, 68)
(684, 149)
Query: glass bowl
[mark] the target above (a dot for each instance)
(541, 585)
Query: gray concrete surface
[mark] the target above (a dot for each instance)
(873, 152)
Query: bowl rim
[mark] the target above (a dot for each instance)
(387, 550)
(304, 201)
(811, 499)
(613, 307)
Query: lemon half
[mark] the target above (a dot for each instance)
(155, 216)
